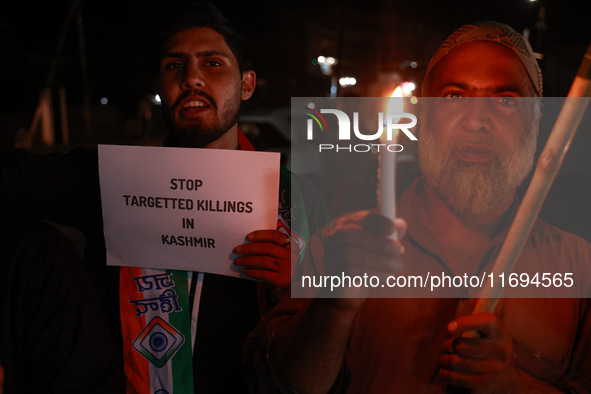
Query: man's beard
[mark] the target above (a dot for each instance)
(198, 135)
(474, 188)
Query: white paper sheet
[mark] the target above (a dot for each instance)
(186, 209)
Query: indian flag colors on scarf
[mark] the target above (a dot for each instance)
(156, 329)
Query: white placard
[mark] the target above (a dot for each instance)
(186, 209)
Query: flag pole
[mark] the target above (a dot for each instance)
(547, 167)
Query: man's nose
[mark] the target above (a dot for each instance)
(193, 77)
(477, 114)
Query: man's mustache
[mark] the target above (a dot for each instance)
(186, 94)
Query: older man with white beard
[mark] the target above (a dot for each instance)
(473, 187)
(476, 146)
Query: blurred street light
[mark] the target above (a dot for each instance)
(347, 81)
(326, 64)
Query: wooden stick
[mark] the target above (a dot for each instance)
(547, 167)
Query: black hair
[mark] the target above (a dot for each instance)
(184, 15)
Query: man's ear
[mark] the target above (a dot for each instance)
(249, 81)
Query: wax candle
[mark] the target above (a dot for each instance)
(387, 184)
(387, 163)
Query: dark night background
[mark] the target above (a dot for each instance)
(375, 41)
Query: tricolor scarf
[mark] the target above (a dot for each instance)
(157, 323)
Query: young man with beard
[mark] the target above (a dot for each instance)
(203, 75)
(476, 146)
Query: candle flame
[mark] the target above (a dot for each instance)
(397, 92)
(395, 107)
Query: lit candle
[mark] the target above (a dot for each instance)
(387, 163)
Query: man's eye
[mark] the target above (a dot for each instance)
(508, 101)
(452, 95)
(173, 65)
(213, 63)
